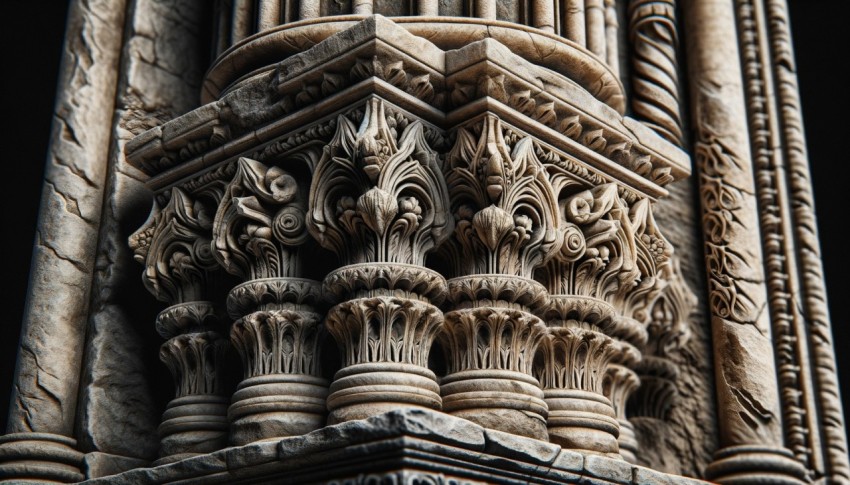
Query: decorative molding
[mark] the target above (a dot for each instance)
(813, 426)
(655, 73)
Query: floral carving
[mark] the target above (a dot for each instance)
(174, 247)
(492, 338)
(278, 342)
(378, 196)
(576, 357)
(505, 208)
(196, 362)
(385, 329)
(606, 259)
(260, 222)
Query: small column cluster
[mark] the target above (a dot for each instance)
(175, 247)
(538, 286)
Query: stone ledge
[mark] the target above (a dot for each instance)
(402, 447)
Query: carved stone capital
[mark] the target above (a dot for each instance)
(273, 293)
(193, 316)
(385, 343)
(498, 291)
(658, 388)
(377, 193)
(369, 279)
(260, 222)
(607, 261)
(196, 361)
(575, 359)
(195, 421)
(490, 353)
(174, 247)
(504, 206)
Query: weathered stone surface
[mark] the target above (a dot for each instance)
(516, 288)
(75, 176)
(160, 78)
(353, 448)
(97, 464)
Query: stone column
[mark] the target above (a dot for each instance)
(40, 443)
(655, 69)
(619, 384)
(748, 400)
(378, 200)
(258, 232)
(633, 302)
(507, 225)
(174, 246)
(598, 262)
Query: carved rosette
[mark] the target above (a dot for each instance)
(507, 225)
(379, 201)
(258, 231)
(619, 383)
(174, 246)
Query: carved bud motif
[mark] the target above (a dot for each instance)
(174, 247)
(260, 223)
(505, 208)
(378, 196)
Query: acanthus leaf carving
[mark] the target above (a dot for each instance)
(260, 222)
(505, 208)
(174, 246)
(376, 196)
(609, 261)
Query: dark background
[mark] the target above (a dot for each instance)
(32, 35)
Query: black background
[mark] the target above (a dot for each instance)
(32, 35)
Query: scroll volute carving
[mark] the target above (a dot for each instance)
(379, 196)
(504, 205)
(260, 222)
(599, 254)
(174, 247)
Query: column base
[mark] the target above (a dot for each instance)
(582, 421)
(193, 425)
(753, 464)
(627, 441)
(277, 406)
(361, 391)
(40, 457)
(503, 400)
